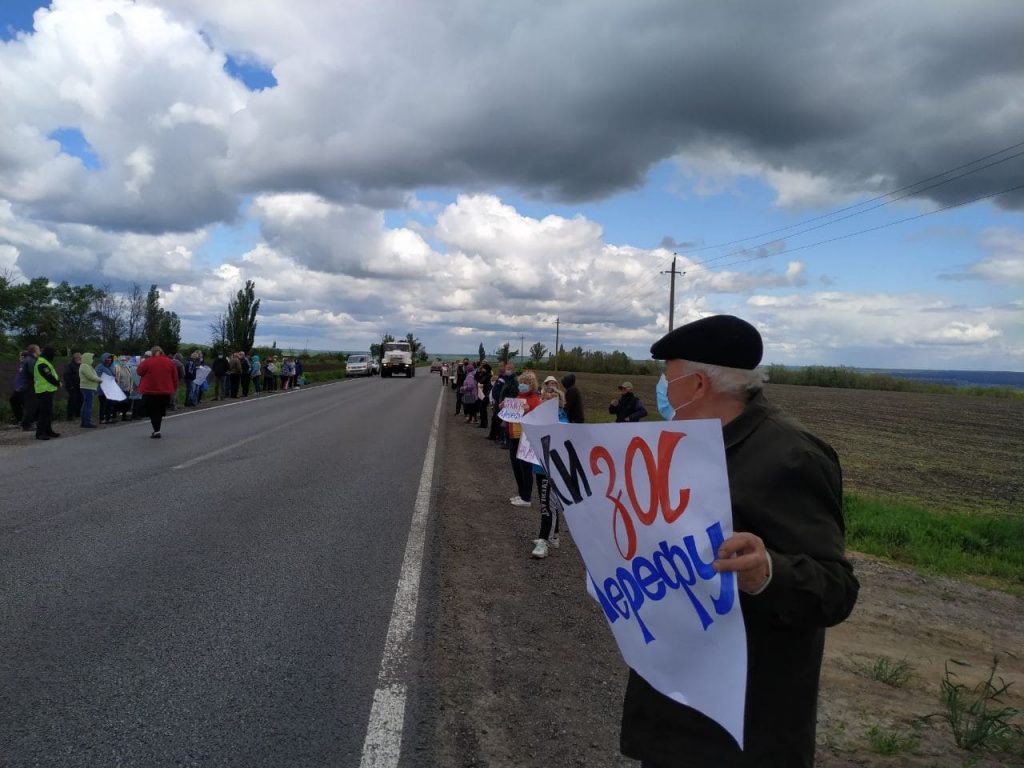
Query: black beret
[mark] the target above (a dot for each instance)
(717, 340)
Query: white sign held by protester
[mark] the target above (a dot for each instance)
(512, 410)
(110, 389)
(648, 506)
(545, 413)
(201, 373)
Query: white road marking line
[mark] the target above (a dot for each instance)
(254, 399)
(257, 436)
(383, 744)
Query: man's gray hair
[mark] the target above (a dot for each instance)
(738, 383)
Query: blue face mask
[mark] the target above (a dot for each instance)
(661, 395)
(524, 388)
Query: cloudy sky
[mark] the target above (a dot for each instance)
(847, 176)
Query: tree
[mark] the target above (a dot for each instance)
(240, 320)
(108, 311)
(377, 350)
(537, 352)
(419, 351)
(151, 318)
(169, 333)
(35, 315)
(504, 353)
(219, 334)
(75, 320)
(135, 313)
(481, 352)
(8, 296)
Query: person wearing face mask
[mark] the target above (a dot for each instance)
(787, 552)
(627, 406)
(522, 470)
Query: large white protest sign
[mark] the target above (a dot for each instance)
(545, 413)
(648, 506)
(110, 389)
(512, 410)
(201, 373)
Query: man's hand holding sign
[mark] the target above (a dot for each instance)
(723, 631)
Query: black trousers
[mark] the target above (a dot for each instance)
(74, 403)
(17, 401)
(235, 379)
(28, 408)
(44, 413)
(548, 511)
(246, 379)
(156, 408)
(522, 470)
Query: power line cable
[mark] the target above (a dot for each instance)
(859, 213)
(787, 251)
(882, 196)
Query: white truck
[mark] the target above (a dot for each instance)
(397, 358)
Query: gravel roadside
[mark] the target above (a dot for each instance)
(529, 675)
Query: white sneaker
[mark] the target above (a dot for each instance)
(553, 542)
(518, 502)
(540, 549)
(513, 498)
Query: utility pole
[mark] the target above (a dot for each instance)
(521, 342)
(672, 292)
(557, 321)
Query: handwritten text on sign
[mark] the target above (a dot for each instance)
(648, 506)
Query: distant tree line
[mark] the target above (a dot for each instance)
(83, 317)
(842, 377)
(78, 317)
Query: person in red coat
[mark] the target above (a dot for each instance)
(158, 382)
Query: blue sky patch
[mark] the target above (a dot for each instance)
(72, 142)
(18, 17)
(254, 76)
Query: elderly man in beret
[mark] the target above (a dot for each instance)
(787, 552)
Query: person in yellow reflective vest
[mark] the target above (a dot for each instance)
(45, 383)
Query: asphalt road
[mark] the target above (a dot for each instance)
(217, 597)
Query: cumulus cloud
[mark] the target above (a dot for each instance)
(897, 330)
(1005, 262)
(561, 107)
(147, 94)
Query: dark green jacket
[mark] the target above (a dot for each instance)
(786, 486)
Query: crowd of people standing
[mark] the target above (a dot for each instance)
(480, 392)
(146, 385)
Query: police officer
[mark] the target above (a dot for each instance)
(45, 383)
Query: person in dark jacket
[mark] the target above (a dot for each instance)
(73, 386)
(483, 379)
(191, 389)
(497, 387)
(28, 392)
(220, 369)
(627, 406)
(460, 380)
(179, 366)
(17, 399)
(45, 383)
(246, 364)
(573, 399)
(787, 552)
(235, 373)
(105, 366)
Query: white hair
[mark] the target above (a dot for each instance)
(738, 383)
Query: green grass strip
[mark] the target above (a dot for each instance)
(949, 544)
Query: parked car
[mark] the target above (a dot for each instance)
(359, 365)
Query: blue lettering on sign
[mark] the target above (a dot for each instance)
(668, 569)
